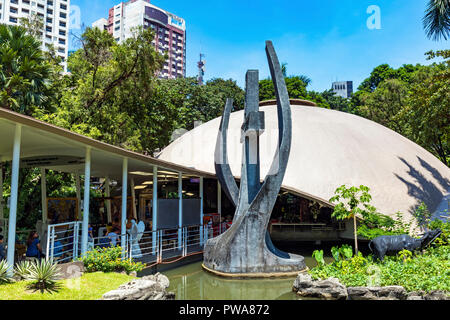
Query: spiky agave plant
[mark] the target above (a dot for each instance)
(4, 277)
(22, 269)
(44, 274)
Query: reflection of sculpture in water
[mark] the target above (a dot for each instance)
(136, 231)
(246, 248)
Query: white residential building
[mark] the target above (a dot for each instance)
(55, 15)
(170, 31)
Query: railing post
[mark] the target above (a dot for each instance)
(52, 246)
(124, 204)
(155, 210)
(201, 211)
(47, 251)
(180, 208)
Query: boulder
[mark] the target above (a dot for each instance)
(71, 270)
(377, 293)
(329, 289)
(437, 295)
(152, 287)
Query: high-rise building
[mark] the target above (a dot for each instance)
(54, 14)
(343, 89)
(170, 31)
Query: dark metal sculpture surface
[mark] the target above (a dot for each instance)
(246, 247)
(383, 245)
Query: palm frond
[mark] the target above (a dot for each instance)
(437, 20)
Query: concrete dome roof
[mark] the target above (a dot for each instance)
(329, 149)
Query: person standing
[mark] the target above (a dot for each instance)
(2, 249)
(34, 249)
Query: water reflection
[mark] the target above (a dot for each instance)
(191, 282)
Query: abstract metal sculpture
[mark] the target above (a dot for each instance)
(383, 245)
(246, 248)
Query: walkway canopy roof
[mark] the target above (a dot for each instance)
(47, 146)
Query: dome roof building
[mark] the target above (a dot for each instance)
(329, 149)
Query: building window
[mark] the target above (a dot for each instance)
(12, 19)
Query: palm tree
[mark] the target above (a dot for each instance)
(437, 19)
(24, 71)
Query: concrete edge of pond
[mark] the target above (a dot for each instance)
(255, 275)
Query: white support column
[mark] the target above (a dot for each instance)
(219, 200)
(201, 211)
(180, 207)
(133, 199)
(108, 202)
(87, 187)
(44, 196)
(14, 197)
(1, 191)
(155, 208)
(123, 232)
(78, 191)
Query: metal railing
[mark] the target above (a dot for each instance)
(150, 247)
(63, 240)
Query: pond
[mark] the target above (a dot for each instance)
(191, 282)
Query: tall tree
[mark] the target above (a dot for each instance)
(24, 71)
(437, 19)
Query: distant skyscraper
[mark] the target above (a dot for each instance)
(170, 31)
(343, 89)
(54, 14)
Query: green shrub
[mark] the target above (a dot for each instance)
(4, 277)
(318, 256)
(43, 274)
(109, 260)
(22, 269)
(427, 271)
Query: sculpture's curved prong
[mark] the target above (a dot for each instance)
(221, 163)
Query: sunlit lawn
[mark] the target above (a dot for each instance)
(91, 286)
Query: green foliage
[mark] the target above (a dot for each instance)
(411, 100)
(436, 21)
(428, 271)
(296, 86)
(351, 201)
(43, 274)
(422, 214)
(109, 260)
(23, 269)
(376, 224)
(444, 238)
(24, 71)
(345, 252)
(405, 256)
(4, 277)
(318, 256)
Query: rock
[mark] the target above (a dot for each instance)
(147, 288)
(377, 293)
(329, 289)
(71, 270)
(437, 295)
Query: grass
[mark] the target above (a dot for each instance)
(90, 286)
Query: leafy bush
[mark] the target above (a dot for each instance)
(109, 260)
(44, 274)
(318, 255)
(376, 224)
(4, 277)
(428, 271)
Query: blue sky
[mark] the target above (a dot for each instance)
(327, 40)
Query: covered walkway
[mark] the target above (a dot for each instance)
(31, 143)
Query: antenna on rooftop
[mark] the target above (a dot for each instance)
(201, 68)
